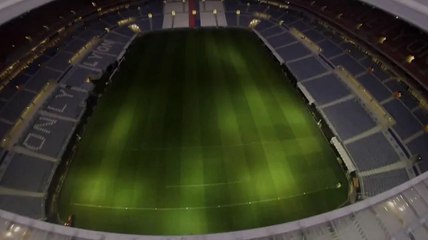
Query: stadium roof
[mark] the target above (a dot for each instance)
(413, 11)
(10, 9)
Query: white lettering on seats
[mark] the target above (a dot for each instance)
(63, 93)
(34, 142)
(42, 126)
(57, 109)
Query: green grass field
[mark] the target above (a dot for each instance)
(201, 132)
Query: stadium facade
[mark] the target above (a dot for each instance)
(369, 89)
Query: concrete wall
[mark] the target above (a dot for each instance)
(413, 11)
(10, 9)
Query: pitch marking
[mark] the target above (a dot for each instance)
(205, 184)
(201, 207)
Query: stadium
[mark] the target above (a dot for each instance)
(213, 119)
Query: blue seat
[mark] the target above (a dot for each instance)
(349, 118)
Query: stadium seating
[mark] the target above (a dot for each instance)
(281, 40)
(349, 119)
(422, 115)
(263, 25)
(44, 75)
(311, 70)
(27, 169)
(26, 173)
(4, 128)
(307, 68)
(329, 49)
(407, 124)
(32, 207)
(375, 87)
(372, 152)
(355, 13)
(378, 183)
(314, 35)
(49, 17)
(349, 64)
(326, 89)
(419, 146)
(293, 51)
(273, 31)
(14, 108)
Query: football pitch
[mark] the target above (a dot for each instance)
(200, 132)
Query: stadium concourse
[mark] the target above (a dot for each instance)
(377, 118)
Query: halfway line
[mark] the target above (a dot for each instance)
(205, 184)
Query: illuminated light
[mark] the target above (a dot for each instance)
(238, 12)
(28, 38)
(382, 40)
(396, 17)
(281, 22)
(8, 234)
(410, 59)
(359, 25)
(107, 29)
(135, 28)
(215, 11)
(397, 94)
(173, 13)
(17, 228)
(262, 16)
(150, 15)
(254, 23)
(194, 12)
(93, 4)
(390, 204)
(126, 21)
